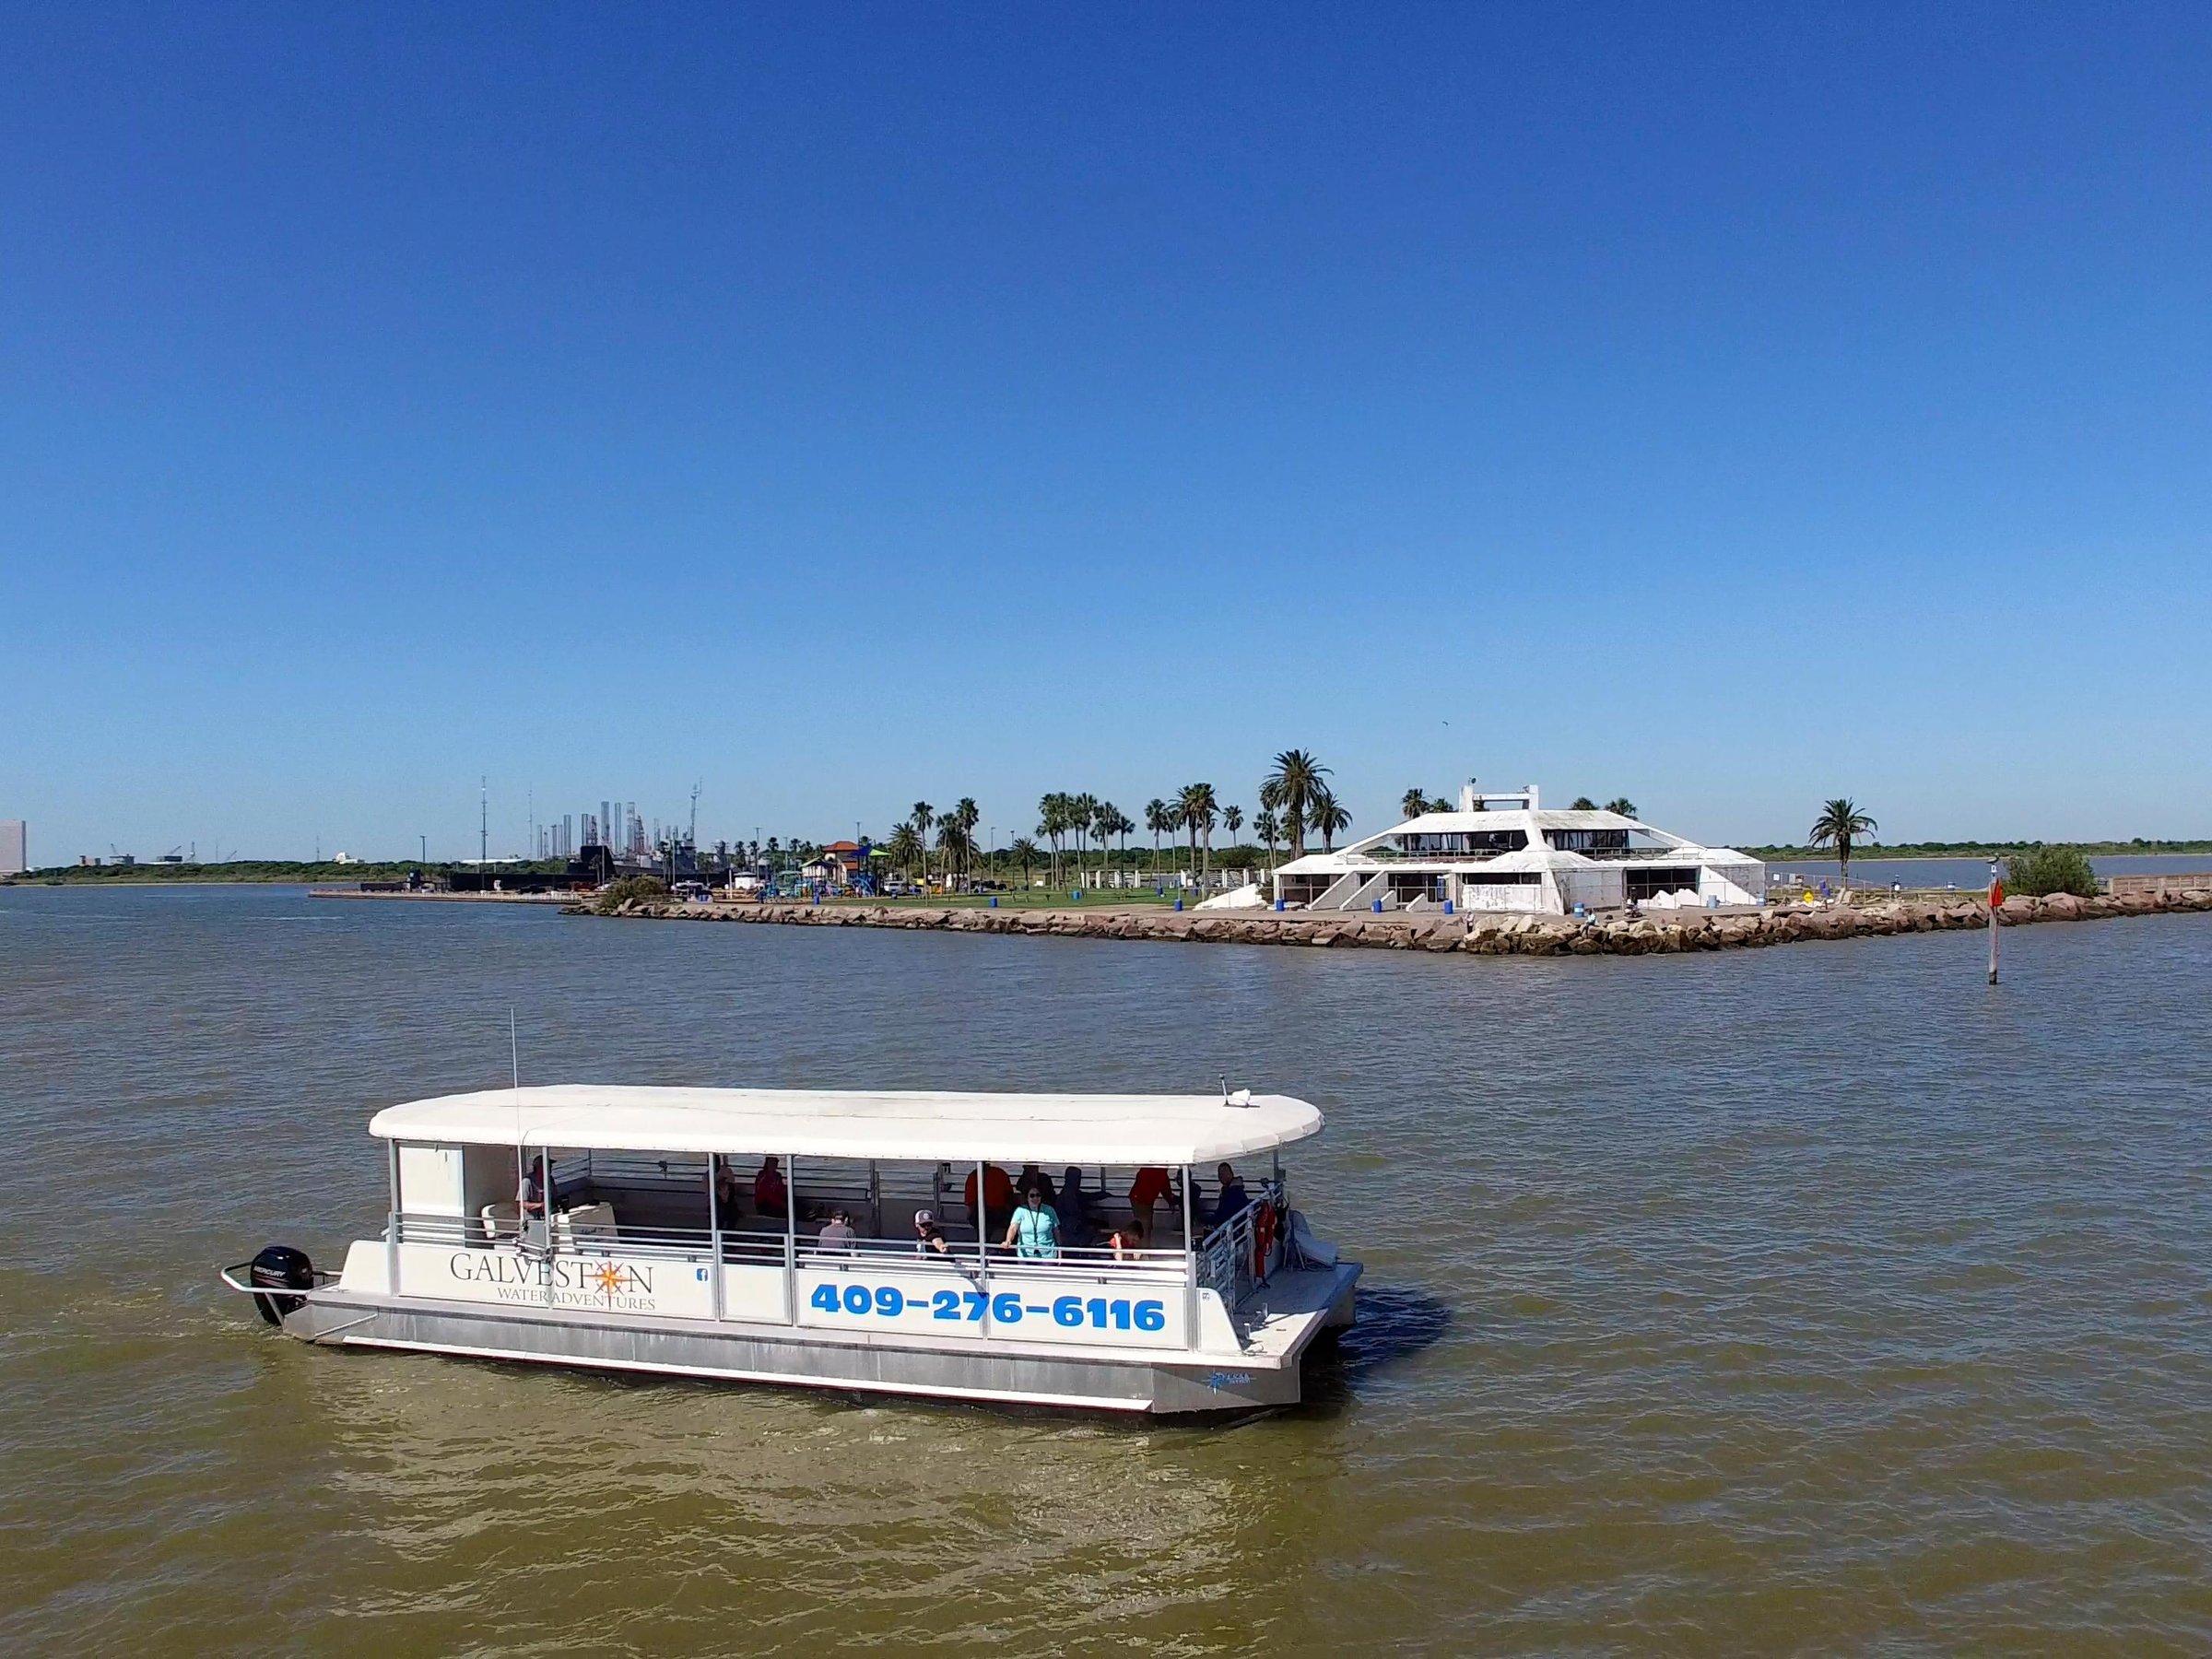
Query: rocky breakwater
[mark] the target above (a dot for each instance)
(1657, 933)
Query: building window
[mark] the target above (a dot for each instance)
(1649, 883)
(1457, 844)
(1588, 840)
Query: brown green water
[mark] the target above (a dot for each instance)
(1807, 1300)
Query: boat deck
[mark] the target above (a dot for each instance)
(1279, 1318)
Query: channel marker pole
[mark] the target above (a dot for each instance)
(1996, 903)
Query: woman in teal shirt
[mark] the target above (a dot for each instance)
(1034, 1233)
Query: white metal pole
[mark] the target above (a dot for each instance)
(1189, 1267)
(790, 1241)
(391, 1221)
(715, 1233)
(552, 1244)
(982, 1242)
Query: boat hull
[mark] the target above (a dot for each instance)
(1182, 1385)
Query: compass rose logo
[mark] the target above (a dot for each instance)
(609, 1278)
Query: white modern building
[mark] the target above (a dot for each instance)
(1505, 852)
(14, 847)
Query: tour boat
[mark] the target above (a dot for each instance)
(632, 1261)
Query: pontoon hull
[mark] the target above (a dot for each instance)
(1195, 1385)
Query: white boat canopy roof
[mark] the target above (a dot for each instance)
(920, 1126)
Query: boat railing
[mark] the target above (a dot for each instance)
(582, 1235)
(576, 1235)
(1229, 1257)
(1074, 1262)
(609, 1218)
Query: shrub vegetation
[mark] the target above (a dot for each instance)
(2040, 871)
(642, 888)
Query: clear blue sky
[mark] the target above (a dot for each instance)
(1727, 407)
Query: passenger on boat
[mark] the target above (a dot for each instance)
(1034, 1232)
(770, 1196)
(837, 1233)
(999, 1196)
(1031, 1176)
(530, 1192)
(1144, 1193)
(1073, 1209)
(928, 1235)
(726, 1210)
(1232, 1200)
(1127, 1240)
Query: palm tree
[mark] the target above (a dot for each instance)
(967, 815)
(1196, 802)
(1581, 803)
(1104, 817)
(1072, 819)
(1232, 820)
(1051, 820)
(1328, 818)
(1622, 805)
(952, 841)
(1841, 822)
(1266, 828)
(1290, 788)
(1023, 851)
(1160, 821)
(1087, 807)
(1413, 802)
(924, 815)
(1440, 803)
(905, 847)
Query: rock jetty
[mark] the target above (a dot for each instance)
(1658, 933)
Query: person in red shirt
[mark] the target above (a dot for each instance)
(998, 1196)
(770, 1197)
(1144, 1193)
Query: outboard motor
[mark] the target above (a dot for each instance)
(279, 1266)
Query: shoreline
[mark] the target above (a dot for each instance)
(429, 896)
(1661, 933)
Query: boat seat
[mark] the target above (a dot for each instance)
(588, 1226)
(502, 1221)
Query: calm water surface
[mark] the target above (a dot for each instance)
(1819, 1298)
